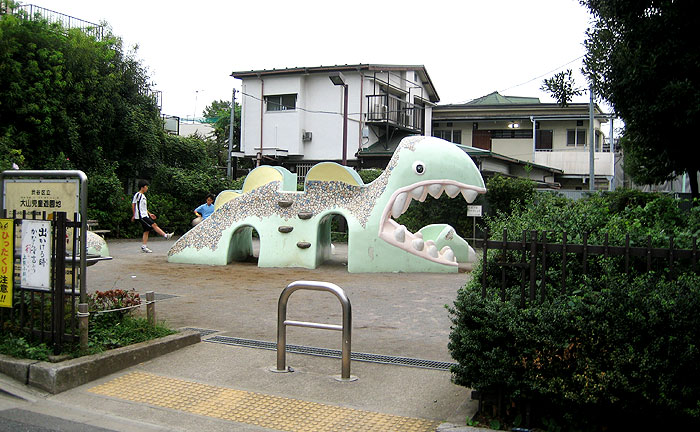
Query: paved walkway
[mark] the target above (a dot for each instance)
(217, 386)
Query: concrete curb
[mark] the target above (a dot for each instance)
(449, 427)
(17, 369)
(58, 377)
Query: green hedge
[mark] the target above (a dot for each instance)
(617, 351)
(177, 186)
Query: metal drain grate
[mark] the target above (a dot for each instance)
(324, 352)
(202, 332)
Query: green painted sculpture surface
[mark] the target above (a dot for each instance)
(294, 226)
(96, 245)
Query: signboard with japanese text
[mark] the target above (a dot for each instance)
(36, 254)
(6, 262)
(41, 195)
(474, 210)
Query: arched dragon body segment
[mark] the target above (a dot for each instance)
(294, 227)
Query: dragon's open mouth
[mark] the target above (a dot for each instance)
(397, 235)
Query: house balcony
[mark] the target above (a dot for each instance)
(577, 162)
(389, 110)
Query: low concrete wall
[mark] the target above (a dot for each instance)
(58, 377)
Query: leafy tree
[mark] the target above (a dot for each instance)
(219, 114)
(69, 101)
(642, 57)
(562, 87)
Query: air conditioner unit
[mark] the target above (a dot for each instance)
(306, 136)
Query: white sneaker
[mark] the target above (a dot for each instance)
(145, 249)
(168, 235)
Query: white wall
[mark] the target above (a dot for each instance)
(250, 116)
(203, 129)
(324, 117)
(518, 148)
(577, 162)
(319, 110)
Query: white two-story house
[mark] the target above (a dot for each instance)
(295, 117)
(543, 134)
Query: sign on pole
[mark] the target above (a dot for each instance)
(42, 195)
(48, 195)
(36, 254)
(38, 191)
(474, 210)
(6, 262)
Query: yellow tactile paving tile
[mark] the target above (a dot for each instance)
(258, 409)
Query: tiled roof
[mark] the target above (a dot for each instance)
(496, 98)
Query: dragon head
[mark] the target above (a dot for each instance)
(423, 166)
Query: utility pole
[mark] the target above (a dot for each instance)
(591, 140)
(229, 172)
(612, 151)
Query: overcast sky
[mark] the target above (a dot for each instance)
(469, 48)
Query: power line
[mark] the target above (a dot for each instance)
(357, 113)
(544, 74)
(300, 108)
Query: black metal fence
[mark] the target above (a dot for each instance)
(49, 314)
(67, 22)
(526, 263)
(395, 111)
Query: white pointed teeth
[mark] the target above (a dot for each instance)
(435, 190)
(448, 254)
(469, 195)
(399, 205)
(452, 190)
(418, 244)
(419, 235)
(418, 193)
(400, 234)
(432, 251)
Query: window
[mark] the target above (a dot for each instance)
(511, 133)
(453, 135)
(444, 134)
(543, 140)
(281, 102)
(576, 137)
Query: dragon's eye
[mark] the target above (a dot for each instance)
(419, 167)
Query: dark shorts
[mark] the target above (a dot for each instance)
(146, 223)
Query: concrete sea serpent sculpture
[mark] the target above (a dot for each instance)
(294, 226)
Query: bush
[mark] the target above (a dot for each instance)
(616, 351)
(106, 199)
(506, 194)
(108, 333)
(369, 175)
(107, 330)
(451, 211)
(612, 357)
(113, 299)
(21, 347)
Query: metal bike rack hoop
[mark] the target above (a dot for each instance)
(283, 322)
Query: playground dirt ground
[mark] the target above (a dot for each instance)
(396, 314)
